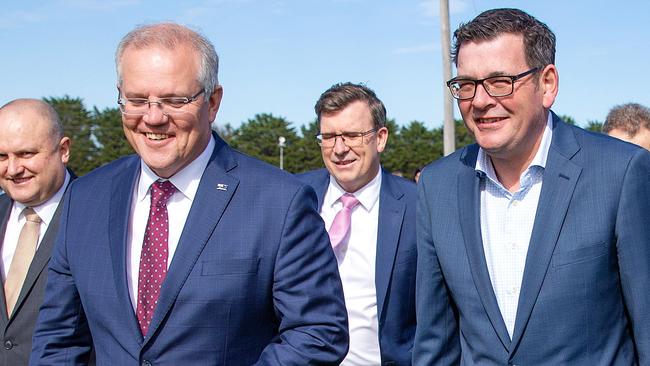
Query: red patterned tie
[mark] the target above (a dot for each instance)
(153, 258)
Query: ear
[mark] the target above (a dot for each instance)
(215, 102)
(64, 149)
(549, 82)
(382, 139)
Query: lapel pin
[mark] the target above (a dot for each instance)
(222, 187)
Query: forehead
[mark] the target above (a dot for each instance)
(23, 130)
(159, 69)
(503, 54)
(355, 117)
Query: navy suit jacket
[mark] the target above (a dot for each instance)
(585, 292)
(395, 263)
(253, 279)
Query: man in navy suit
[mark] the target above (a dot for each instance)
(376, 254)
(188, 253)
(533, 243)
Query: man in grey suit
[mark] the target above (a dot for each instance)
(33, 155)
(533, 243)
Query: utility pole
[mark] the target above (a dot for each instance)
(282, 143)
(449, 130)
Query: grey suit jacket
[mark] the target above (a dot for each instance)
(16, 332)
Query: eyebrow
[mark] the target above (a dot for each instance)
(492, 74)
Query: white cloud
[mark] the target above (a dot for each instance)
(423, 48)
(431, 8)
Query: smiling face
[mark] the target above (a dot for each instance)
(510, 127)
(32, 161)
(167, 143)
(353, 167)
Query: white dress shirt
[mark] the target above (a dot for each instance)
(507, 221)
(16, 221)
(357, 269)
(186, 182)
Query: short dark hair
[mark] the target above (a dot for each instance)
(341, 95)
(539, 40)
(628, 117)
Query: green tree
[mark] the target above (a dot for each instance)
(595, 126)
(109, 135)
(258, 137)
(78, 125)
(411, 147)
(306, 154)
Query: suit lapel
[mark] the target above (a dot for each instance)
(41, 257)
(469, 206)
(119, 216)
(207, 208)
(320, 185)
(5, 212)
(391, 215)
(560, 178)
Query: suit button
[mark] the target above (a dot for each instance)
(146, 363)
(8, 345)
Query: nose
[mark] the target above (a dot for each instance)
(155, 114)
(481, 98)
(14, 166)
(340, 148)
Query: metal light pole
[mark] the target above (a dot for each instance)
(449, 129)
(282, 143)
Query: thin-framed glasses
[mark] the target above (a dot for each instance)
(168, 105)
(495, 86)
(351, 139)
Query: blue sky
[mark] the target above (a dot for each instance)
(278, 56)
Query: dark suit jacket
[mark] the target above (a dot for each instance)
(18, 330)
(585, 291)
(395, 263)
(253, 279)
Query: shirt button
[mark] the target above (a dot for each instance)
(515, 203)
(512, 291)
(513, 245)
(8, 345)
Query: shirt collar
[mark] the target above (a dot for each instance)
(484, 164)
(367, 195)
(185, 180)
(45, 210)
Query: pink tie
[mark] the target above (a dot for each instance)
(153, 258)
(340, 230)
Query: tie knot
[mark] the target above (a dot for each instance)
(349, 201)
(31, 215)
(160, 192)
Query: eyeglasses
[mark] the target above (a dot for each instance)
(169, 105)
(495, 86)
(351, 139)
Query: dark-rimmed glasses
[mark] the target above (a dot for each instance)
(351, 139)
(168, 105)
(495, 86)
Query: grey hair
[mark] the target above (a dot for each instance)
(170, 35)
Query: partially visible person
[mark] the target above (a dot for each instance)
(188, 253)
(629, 122)
(33, 174)
(370, 215)
(416, 175)
(533, 243)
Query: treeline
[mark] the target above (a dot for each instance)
(98, 138)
